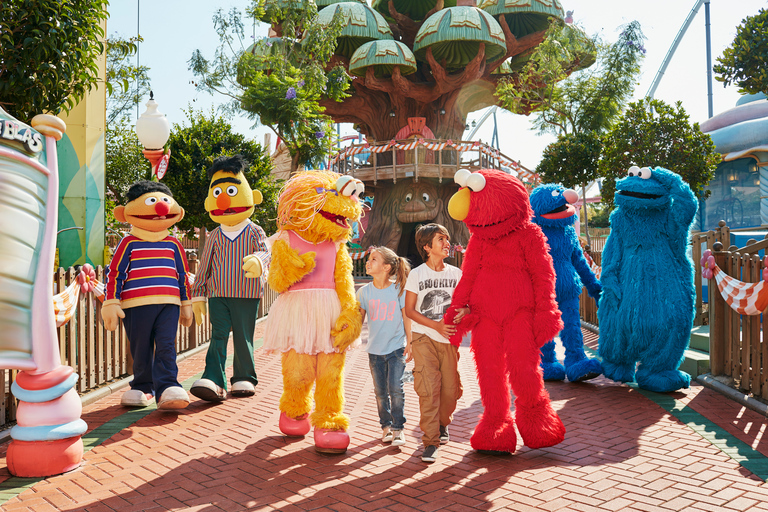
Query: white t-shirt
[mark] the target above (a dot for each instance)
(434, 291)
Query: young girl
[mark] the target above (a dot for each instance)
(389, 337)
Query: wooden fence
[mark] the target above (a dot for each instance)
(737, 346)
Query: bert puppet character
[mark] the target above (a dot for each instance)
(147, 287)
(316, 317)
(228, 276)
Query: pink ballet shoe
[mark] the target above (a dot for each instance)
(294, 427)
(331, 441)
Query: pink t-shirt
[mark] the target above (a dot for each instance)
(321, 277)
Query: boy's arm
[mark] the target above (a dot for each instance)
(410, 310)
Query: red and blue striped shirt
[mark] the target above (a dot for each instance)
(146, 272)
(221, 274)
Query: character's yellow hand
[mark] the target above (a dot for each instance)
(186, 316)
(252, 266)
(288, 266)
(347, 329)
(200, 309)
(110, 315)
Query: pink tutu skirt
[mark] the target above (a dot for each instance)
(302, 320)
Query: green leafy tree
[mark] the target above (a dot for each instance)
(125, 163)
(278, 82)
(49, 53)
(572, 160)
(193, 147)
(652, 133)
(132, 80)
(744, 62)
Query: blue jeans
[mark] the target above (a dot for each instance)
(387, 372)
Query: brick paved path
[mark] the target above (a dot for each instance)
(625, 449)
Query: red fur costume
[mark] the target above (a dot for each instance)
(508, 284)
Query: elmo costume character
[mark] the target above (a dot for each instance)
(508, 283)
(316, 317)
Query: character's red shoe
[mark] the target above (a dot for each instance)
(294, 427)
(331, 441)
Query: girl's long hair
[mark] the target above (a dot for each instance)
(398, 266)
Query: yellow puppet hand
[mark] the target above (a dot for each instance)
(347, 328)
(288, 266)
(110, 316)
(252, 266)
(200, 309)
(185, 317)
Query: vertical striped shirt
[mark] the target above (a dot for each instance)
(221, 274)
(146, 272)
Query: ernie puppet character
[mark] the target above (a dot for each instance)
(316, 317)
(508, 283)
(147, 286)
(228, 276)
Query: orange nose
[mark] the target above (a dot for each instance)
(223, 202)
(162, 208)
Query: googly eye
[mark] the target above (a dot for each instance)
(346, 186)
(231, 191)
(555, 193)
(217, 192)
(408, 197)
(476, 182)
(645, 173)
(166, 199)
(360, 187)
(425, 197)
(150, 201)
(634, 171)
(461, 177)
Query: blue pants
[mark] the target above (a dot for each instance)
(387, 372)
(151, 331)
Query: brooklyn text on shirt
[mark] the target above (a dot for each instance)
(437, 283)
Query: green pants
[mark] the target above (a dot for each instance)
(238, 316)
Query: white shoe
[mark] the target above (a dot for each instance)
(207, 390)
(136, 398)
(386, 435)
(243, 388)
(173, 398)
(398, 438)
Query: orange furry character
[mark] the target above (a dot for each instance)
(316, 318)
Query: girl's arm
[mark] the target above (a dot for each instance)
(408, 337)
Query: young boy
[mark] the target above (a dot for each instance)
(428, 293)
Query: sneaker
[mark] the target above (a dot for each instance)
(444, 437)
(243, 388)
(429, 454)
(398, 438)
(386, 435)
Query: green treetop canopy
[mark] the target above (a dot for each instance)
(361, 24)
(383, 55)
(455, 34)
(326, 3)
(274, 10)
(267, 47)
(414, 9)
(524, 16)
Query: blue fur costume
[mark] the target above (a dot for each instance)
(646, 309)
(556, 217)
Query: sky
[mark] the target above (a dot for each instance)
(174, 29)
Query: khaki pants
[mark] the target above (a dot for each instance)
(437, 382)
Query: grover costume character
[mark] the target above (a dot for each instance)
(316, 317)
(229, 276)
(647, 305)
(508, 283)
(553, 211)
(147, 286)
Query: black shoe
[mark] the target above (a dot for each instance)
(430, 454)
(444, 437)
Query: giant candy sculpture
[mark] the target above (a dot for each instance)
(46, 439)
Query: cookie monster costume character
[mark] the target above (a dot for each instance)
(553, 211)
(508, 283)
(316, 317)
(646, 308)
